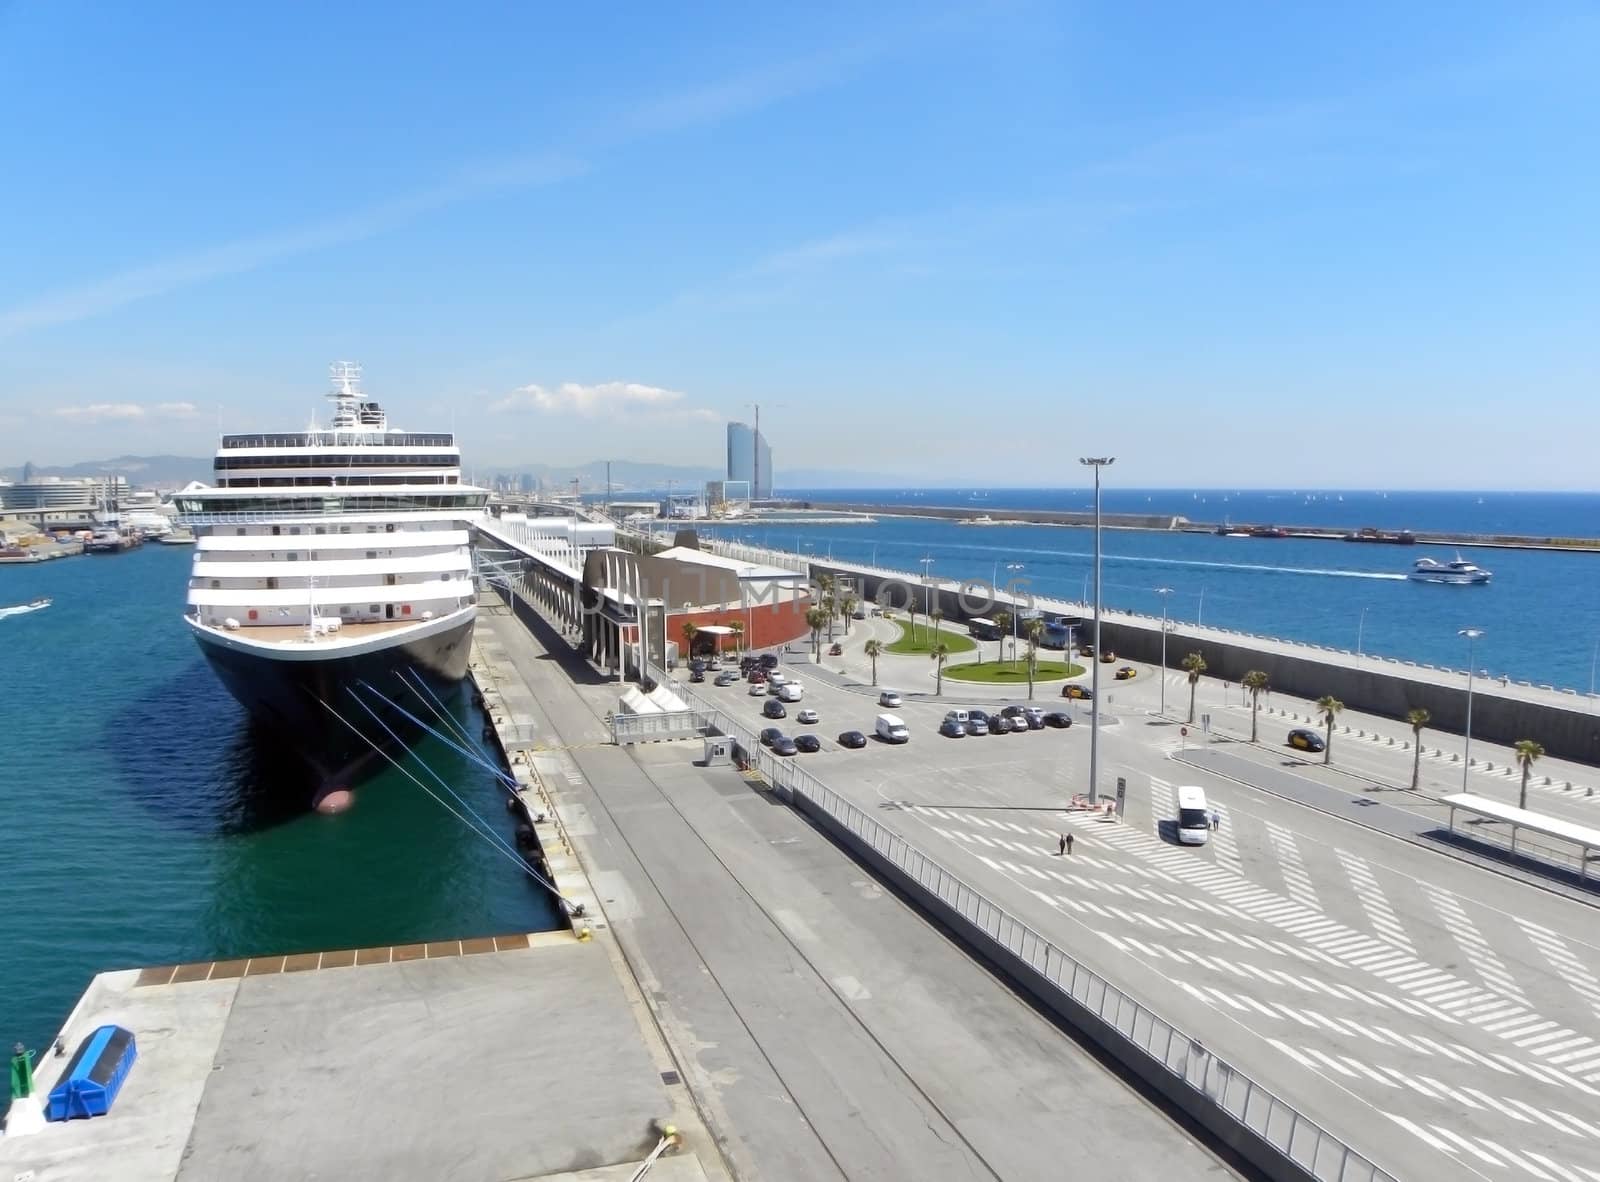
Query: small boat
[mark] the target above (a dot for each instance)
(1427, 570)
(19, 609)
(981, 519)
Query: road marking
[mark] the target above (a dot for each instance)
(1565, 962)
(1224, 843)
(1421, 1133)
(1490, 967)
(1295, 877)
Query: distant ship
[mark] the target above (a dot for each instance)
(329, 557)
(1426, 570)
(1368, 534)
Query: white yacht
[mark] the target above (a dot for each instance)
(1426, 570)
(328, 557)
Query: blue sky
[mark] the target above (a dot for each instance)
(1236, 244)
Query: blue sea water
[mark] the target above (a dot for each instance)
(1541, 612)
(145, 824)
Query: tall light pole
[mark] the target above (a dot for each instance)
(1163, 592)
(1094, 681)
(927, 601)
(1472, 635)
(1010, 584)
(1360, 628)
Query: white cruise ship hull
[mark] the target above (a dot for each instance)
(303, 688)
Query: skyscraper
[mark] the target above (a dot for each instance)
(750, 459)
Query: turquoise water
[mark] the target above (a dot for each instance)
(144, 824)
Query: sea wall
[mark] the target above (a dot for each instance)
(1030, 516)
(1501, 713)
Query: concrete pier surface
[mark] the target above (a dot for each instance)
(517, 1057)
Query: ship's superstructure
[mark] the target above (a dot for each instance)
(330, 556)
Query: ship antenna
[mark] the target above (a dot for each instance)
(346, 392)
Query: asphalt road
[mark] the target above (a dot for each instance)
(1439, 1016)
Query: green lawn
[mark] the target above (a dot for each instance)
(956, 642)
(1011, 672)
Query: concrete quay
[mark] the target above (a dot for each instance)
(822, 1027)
(1441, 1016)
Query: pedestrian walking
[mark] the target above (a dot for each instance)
(1062, 847)
(1067, 842)
(1216, 820)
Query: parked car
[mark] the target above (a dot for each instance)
(1108, 657)
(1305, 739)
(1011, 712)
(951, 729)
(697, 666)
(1000, 725)
(1059, 719)
(806, 717)
(770, 735)
(891, 699)
(854, 740)
(776, 678)
(697, 675)
(784, 746)
(1081, 692)
(757, 676)
(977, 726)
(714, 664)
(809, 743)
(769, 661)
(860, 615)
(1127, 673)
(891, 728)
(1034, 717)
(791, 691)
(1086, 650)
(772, 708)
(976, 715)
(726, 677)
(836, 650)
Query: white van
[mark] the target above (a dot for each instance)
(891, 728)
(1194, 818)
(790, 691)
(960, 716)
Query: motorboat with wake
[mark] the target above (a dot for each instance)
(22, 609)
(1428, 570)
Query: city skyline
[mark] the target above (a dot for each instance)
(1325, 248)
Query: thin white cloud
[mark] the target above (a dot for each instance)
(99, 412)
(602, 398)
(126, 287)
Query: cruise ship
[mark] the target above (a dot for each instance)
(329, 557)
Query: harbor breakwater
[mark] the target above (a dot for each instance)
(1178, 523)
(1565, 722)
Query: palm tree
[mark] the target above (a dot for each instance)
(1328, 706)
(911, 610)
(1035, 630)
(816, 620)
(938, 618)
(1418, 719)
(737, 626)
(872, 648)
(850, 605)
(1255, 681)
(940, 654)
(690, 631)
(1003, 622)
(1528, 750)
(1194, 664)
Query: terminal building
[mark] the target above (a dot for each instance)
(55, 500)
(750, 460)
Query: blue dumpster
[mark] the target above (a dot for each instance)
(95, 1075)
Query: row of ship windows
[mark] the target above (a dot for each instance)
(329, 481)
(296, 555)
(338, 460)
(321, 439)
(270, 583)
(277, 505)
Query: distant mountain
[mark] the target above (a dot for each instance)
(141, 471)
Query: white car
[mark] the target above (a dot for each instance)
(758, 689)
(891, 699)
(776, 678)
(806, 718)
(790, 691)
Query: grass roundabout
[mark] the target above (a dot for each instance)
(1011, 672)
(923, 640)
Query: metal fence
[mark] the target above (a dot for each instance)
(1191, 1072)
(649, 728)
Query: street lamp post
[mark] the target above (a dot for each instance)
(1011, 584)
(1360, 628)
(1094, 682)
(1472, 635)
(1163, 592)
